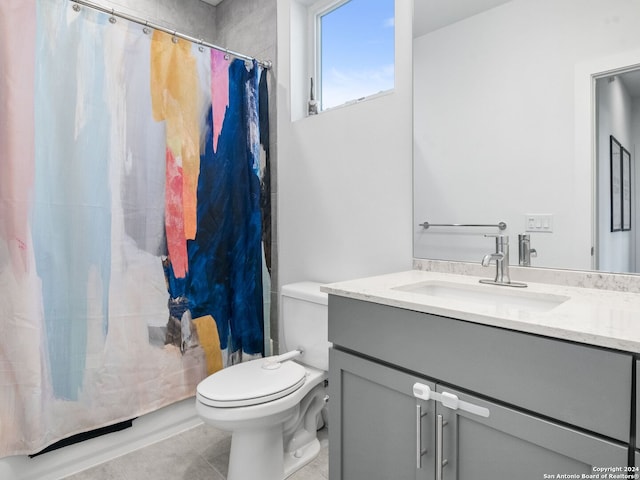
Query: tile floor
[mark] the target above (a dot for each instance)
(201, 453)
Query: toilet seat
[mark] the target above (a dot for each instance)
(249, 383)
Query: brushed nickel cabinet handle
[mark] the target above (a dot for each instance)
(440, 462)
(419, 450)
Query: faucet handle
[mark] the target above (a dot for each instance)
(497, 236)
(502, 241)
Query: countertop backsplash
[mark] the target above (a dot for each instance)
(572, 278)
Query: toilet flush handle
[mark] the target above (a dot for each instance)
(274, 362)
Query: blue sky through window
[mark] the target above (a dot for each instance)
(357, 51)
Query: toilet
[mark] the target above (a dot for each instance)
(272, 405)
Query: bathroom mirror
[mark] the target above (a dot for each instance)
(512, 101)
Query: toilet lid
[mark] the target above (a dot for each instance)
(248, 383)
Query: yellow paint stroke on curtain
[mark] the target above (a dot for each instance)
(210, 342)
(174, 96)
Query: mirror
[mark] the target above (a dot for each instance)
(617, 132)
(506, 95)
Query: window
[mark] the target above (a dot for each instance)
(355, 51)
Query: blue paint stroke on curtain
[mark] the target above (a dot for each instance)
(225, 258)
(71, 220)
(265, 201)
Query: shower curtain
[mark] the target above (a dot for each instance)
(134, 219)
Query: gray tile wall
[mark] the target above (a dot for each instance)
(191, 17)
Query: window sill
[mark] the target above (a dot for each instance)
(350, 103)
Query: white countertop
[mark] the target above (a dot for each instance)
(596, 317)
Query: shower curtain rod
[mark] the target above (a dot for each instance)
(114, 13)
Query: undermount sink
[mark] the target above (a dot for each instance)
(499, 297)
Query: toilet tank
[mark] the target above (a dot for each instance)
(305, 321)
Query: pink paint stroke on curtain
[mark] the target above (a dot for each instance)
(219, 92)
(174, 220)
(23, 373)
(174, 94)
(17, 21)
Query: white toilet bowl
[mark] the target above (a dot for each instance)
(271, 405)
(270, 440)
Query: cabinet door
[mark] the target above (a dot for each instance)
(512, 444)
(378, 429)
(637, 404)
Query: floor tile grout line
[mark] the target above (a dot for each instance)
(211, 465)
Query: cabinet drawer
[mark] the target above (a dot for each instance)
(580, 385)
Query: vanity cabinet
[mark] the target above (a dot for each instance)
(555, 406)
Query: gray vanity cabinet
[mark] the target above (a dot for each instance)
(513, 444)
(574, 384)
(555, 406)
(381, 430)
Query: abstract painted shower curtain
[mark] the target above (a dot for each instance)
(133, 219)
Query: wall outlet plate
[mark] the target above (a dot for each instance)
(538, 222)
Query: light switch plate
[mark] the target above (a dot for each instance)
(538, 222)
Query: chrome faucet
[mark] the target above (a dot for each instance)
(501, 258)
(525, 252)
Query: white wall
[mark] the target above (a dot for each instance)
(344, 179)
(495, 124)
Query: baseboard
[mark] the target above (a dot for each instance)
(146, 430)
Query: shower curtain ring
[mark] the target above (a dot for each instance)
(201, 47)
(174, 39)
(112, 18)
(76, 7)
